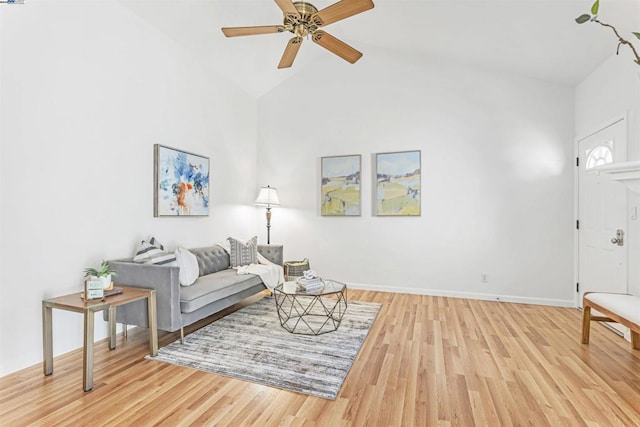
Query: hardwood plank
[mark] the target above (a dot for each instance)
(428, 360)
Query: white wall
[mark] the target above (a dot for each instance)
(1, 231)
(497, 185)
(610, 92)
(87, 89)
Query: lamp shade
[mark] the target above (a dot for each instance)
(268, 196)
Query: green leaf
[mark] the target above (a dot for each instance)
(637, 35)
(583, 18)
(595, 7)
(103, 271)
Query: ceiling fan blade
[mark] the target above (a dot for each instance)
(340, 10)
(336, 46)
(252, 31)
(290, 52)
(288, 7)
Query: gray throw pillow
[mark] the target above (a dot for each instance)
(243, 253)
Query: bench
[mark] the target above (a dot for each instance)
(619, 308)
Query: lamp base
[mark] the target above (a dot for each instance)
(268, 226)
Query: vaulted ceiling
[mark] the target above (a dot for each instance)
(533, 38)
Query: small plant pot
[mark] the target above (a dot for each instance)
(107, 284)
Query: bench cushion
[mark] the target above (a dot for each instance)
(214, 287)
(626, 306)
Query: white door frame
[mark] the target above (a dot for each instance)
(576, 201)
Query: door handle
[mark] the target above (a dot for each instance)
(619, 239)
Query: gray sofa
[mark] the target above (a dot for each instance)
(216, 288)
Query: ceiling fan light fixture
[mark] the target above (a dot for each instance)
(300, 31)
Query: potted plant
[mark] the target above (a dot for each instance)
(102, 274)
(593, 17)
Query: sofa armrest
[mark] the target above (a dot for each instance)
(273, 253)
(164, 280)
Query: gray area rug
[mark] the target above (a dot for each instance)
(251, 345)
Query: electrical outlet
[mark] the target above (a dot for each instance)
(484, 277)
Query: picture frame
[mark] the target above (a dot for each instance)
(180, 182)
(398, 183)
(340, 187)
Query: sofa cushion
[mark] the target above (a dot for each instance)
(214, 287)
(211, 259)
(243, 253)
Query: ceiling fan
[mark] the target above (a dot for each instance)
(303, 19)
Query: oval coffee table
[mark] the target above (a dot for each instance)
(311, 313)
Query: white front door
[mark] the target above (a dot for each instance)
(602, 211)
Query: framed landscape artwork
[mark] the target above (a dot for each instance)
(181, 183)
(398, 184)
(341, 185)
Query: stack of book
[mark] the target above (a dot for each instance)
(311, 284)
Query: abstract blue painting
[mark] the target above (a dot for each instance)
(181, 181)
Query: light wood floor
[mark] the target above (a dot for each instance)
(428, 361)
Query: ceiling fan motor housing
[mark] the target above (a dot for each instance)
(303, 25)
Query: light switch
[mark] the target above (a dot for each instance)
(634, 213)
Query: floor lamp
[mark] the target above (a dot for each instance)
(268, 197)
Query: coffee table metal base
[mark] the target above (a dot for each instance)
(310, 314)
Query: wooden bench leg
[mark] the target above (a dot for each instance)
(635, 340)
(586, 323)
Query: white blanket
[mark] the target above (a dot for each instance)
(271, 274)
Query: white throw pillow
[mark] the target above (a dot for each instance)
(188, 264)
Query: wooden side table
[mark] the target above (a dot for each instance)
(74, 302)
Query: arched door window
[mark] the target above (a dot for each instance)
(600, 155)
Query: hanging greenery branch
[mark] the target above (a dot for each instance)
(621, 41)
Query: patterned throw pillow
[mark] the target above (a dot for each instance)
(145, 250)
(153, 253)
(164, 258)
(243, 253)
